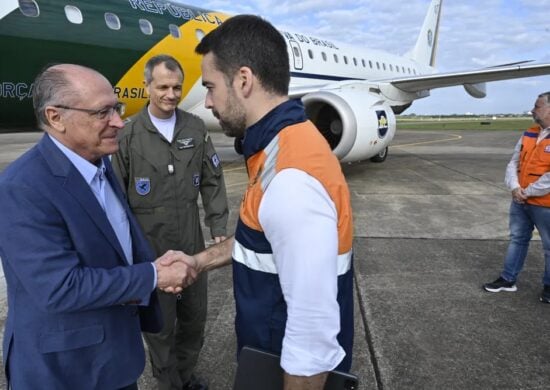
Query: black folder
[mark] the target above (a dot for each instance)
(261, 370)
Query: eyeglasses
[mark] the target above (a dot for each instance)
(102, 114)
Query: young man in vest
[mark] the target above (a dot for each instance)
(292, 250)
(528, 178)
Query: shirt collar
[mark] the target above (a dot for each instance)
(260, 134)
(88, 170)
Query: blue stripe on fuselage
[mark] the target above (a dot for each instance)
(321, 76)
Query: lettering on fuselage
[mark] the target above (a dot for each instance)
(21, 91)
(131, 93)
(304, 39)
(10, 90)
(157, 7)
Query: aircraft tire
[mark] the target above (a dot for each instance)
(380, 157)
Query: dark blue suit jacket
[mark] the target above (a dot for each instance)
(72, 322)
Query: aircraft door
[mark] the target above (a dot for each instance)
(296, 54)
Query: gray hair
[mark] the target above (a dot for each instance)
(545, 95)
(170, 62)
(51, 87)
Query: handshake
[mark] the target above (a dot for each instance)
(175, 271)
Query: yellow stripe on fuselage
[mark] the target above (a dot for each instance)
(131, 89)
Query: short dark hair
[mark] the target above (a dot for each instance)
(545, 95)
(248, 40)
(170, 62)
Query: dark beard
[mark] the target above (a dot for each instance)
(233, 129)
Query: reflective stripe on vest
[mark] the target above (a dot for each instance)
(265, 262)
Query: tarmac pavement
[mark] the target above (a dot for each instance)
(431, 226)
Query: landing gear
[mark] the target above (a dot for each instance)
(381, 156)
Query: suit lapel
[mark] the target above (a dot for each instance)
(74, 184)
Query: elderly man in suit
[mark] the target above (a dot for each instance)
(79, 271)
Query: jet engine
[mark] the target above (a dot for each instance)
(357, 124)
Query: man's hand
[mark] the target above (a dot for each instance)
(180, 270)
(173, 273)
(518, 195)
(219, 239)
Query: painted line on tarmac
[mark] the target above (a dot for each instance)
(241, 183)
(233, 169)
(455, 137)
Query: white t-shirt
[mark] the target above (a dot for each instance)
(164, 126)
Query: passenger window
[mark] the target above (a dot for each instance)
(73, 14)
(112, 21)
(296, 52)
(370, 64)
(199, 34)
(310, 53)
(145, 26)
(29, 8)
(354, 61)
(336, 58)
(324, 55)
(345, 60)
(364, 64)
(391, 67)
(384, 65)
(174, 30)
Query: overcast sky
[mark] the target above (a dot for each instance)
(473, 34)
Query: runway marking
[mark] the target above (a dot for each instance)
(456, 137)
(233, 169)
(236, 184)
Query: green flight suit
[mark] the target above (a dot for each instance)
(162, 181)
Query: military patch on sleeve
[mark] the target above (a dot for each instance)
(143, 185)
(215, 160)
(196, 179)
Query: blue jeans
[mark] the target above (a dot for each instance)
(523, 219)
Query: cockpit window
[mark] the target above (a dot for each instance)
(145, 26)
(73, 14)
(29, 8)
(112, 21)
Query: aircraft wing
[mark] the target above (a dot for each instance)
(441, 80)
(416, 84)
(297, 91)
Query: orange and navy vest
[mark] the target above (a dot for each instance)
(283, 139)
(534, 161)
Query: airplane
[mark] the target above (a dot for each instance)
(351, 94)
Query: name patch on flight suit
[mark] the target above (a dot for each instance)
(196, 179)
(143, 185)
(185, 143)
(215, 160)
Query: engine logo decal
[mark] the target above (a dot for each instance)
(382, 123)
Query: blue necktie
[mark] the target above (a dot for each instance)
(115, 212)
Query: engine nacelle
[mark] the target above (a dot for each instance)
(357, 124)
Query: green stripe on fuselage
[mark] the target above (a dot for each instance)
(30, 43)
